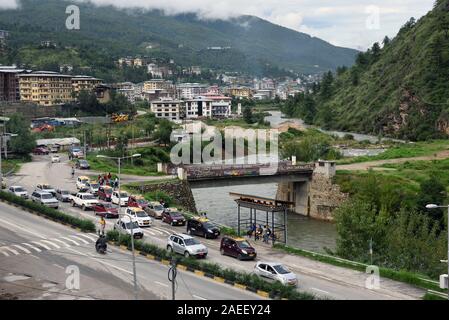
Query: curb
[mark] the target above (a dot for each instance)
(200, 273)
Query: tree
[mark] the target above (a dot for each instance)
(248, 114)
(164, 131)
(24, 143)
(386, 41)
(432, 192)
(326, 85)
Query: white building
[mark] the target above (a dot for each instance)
(200, 107)
(189, 91)
(221, 105)
(168, 109)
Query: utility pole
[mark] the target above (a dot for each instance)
(1, 170)
(172, 273)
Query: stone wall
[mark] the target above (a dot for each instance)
(325, 197)
(31, 111)
(179, 191)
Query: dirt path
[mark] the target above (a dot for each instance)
(376, 164)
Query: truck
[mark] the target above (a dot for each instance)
(83, 200)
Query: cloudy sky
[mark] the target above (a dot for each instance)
(350, 23)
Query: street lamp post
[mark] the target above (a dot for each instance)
(120, 214)
(434, 206)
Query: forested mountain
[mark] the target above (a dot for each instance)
(398, 89)
(257, 46)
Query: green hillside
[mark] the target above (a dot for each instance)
(400, 89)
(257, 45)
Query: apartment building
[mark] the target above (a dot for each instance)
(199, 107)
(157, 84)
(84, 83)
(46, 88)
(189, 91)
(9, 83)
(221, 105)
(240, 92)
(168, 109)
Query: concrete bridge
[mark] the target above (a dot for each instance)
(307, 185)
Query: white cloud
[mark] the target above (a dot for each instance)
(8, 4)
(341, 22)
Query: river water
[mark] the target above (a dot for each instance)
(303, 232)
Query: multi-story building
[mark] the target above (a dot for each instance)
(157, 84)
(130, 90)
(46, 88)
(168, 109)
(199, 107)
(240, 92)
(189, 91)
(221, 105)
(9, 83)
(84, 83)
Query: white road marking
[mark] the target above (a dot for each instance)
(198, 297)
(65, 244)
(150, 232)
(319, 290)
(80, 239)
(87, 236)
(161, 284)
(23, 229)
(73, 241)
(42, 245)
(51, 243)
(11, 250)
(4, 253)
(32, 247)
(22, 248)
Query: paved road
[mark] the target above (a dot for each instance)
(318, 278)
(35, 252)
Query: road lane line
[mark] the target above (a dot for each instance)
(32, 247)
(161, 284)
(11, 250)
(42, 245)
(51, 243)
(60, 241)
(23, 229)
(80, 239)
(319, 290)
(4, 253)
(73, 241)
(22, 248)
(198, 297)
(88, 237)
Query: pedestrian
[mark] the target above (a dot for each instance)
(102, 225)
(259, 232)
(73, 171)
(252, 229)
(99, 178)
(116, 182)
(266, 234)
(109, 176)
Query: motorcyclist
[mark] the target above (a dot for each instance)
(101, 244)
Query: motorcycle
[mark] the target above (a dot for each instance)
(101, 245)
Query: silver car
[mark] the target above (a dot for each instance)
(18, 191)
(277, 272)
(125, 226)
(63, 195)
(45, 198)
(186, 245)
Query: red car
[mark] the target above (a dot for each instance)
(41, 151)
(173, 218)
(105, 193)
(137, 202)
(238, 248)
(105, 209)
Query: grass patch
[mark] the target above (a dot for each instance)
(107, 165)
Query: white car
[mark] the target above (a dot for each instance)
(46, 188)
(81, 182)
(140, 216)
(45, 199)
(83, 200)
(18, 191)
(93, 187)
(125, 226)
(277, 272)
(120, 199)
(55, 158)
(186, 245)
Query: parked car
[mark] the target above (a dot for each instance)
(41, 151)
(81, 182)
(54, 149)
(18, 191)
(120, 199)
(105, 209)
(186, 245)
(277, 272)
(44, 187)
(63, 195)
(55, 159)
(155, 209)
(82, 164)
(238, 248)
(105, 193)
(137, 202)
(75, 153)
(140, 216)
(92, 187)
(45, 198)
(202, 227)
(83, 200)
(174, 218)
(126, 226)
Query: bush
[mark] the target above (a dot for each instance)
(84, 225)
